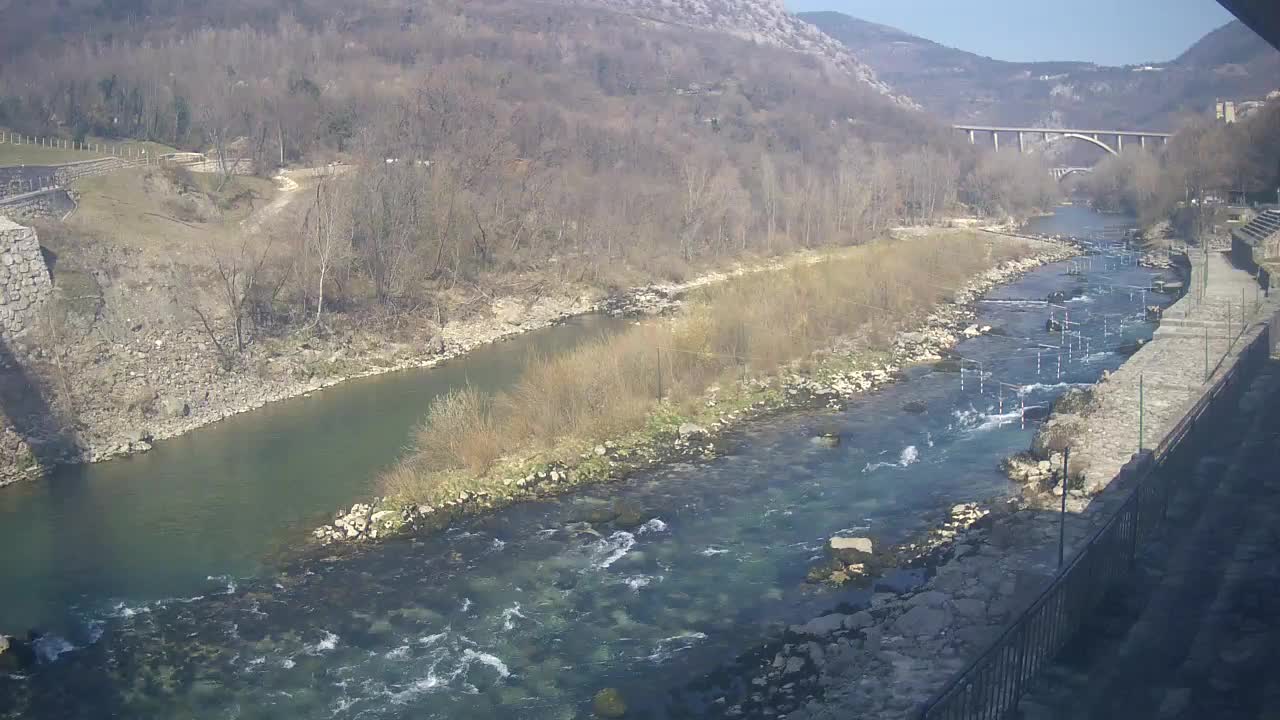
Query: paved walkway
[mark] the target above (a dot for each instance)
(906, 648)
(1168, 373)
(1197, 632)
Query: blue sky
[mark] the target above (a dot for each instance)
(1108, 32)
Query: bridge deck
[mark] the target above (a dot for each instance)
(1063, 131)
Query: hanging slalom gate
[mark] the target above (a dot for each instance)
(991, 685)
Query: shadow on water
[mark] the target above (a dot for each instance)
(25, 401)
(1119, 664)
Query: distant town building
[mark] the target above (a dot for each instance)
(1249, 107)
(1225, 111)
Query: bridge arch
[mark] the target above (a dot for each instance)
(1086, 138)
(1061, 173)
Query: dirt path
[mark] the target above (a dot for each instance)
(288, 186)
(288, 189)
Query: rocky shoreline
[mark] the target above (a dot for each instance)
(885, 660)
(155, 383)
(832, 385)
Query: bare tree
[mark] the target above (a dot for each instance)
(328, 231)
(239, 274)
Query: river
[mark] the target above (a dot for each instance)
(226, 500)
(526, 612)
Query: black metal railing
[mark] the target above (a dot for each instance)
(993, 683)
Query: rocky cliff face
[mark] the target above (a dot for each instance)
(762, 21)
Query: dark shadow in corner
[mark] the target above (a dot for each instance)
(24, 401)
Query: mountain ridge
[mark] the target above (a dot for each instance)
(1229, 62)
(763, 21)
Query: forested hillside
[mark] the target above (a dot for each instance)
(508, 135)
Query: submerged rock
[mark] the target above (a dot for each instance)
(827, 440)
(1036, 412)
(915, 407)
(608, 703)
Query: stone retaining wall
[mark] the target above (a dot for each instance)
(22, 179)
(24, 278)
(54, 203)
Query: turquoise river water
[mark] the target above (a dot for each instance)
(160, 588)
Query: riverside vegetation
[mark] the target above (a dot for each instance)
(506, 163)
(666, 389)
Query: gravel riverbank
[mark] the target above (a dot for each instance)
(840, 377)
(884, 661)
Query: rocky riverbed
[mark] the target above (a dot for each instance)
(832, 385)
(887, 657)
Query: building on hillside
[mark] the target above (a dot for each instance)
(1249, 107)
(1225, 111)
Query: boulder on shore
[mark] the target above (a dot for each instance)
(850, 549)
(923, 621)
(689, 431)
(859, 544)
(821, 626)
(17, 655)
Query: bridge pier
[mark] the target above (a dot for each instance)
(1142, 141)
(1053, 134)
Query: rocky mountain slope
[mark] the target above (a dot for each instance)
(1230, 62)
(761, 21)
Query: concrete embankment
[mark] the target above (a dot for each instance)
(905, 648)
(1191, 631)
(1200, 336)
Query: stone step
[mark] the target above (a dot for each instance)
(1193, 323)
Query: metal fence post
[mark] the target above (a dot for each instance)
(1141, 411)
(1062, 518)
(659, 351)
(1206, 351)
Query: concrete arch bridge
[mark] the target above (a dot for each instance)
(1111, 141)
(1059, 173)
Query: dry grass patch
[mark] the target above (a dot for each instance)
(165, 216)
(752, 326)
